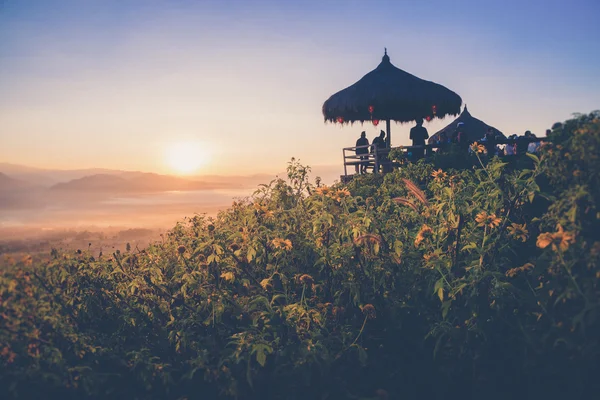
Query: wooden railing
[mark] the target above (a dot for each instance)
(376, 160)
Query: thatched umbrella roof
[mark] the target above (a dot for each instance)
(388, 93)
(474, 128)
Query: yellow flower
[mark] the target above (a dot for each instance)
(478, 148)
(439, 175)
(343, 193)
(265, 283)
(491, 220)
(559, 239)
(421, 235)
(263, 210)
(228, 276)
(323, 190)
(519, 231)
(284, 244)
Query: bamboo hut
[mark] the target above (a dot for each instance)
(474, 128)
(390, 94)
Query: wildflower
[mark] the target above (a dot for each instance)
(369, 311)
(485, 219)
(323, 190)
(306, 279)
(181, 249)
(519, 231)
(228, 276)
(478, 148)
(265, 283)
(439, 175)
(559, 239)
(421, 235)
(263, 210)
(284, 244)
(343, 193)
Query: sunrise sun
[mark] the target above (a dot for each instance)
(187, 157)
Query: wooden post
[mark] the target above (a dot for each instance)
(344, 158)
(389, 132)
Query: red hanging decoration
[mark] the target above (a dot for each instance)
(371, 109)
(428, 118)
(340, 120)
(375, 122)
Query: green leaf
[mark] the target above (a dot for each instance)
(535, 158)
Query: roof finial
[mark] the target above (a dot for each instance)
(385, 57)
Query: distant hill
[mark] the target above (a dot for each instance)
(139, 183)
(7, 183)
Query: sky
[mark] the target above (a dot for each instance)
(237, 86)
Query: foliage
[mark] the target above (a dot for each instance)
(423, 283)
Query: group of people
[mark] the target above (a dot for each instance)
(516, 145)
(363, 150)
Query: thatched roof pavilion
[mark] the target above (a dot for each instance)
(390, 94)
(474, 128)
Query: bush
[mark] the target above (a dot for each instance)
(420, 284)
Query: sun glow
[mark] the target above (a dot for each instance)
(187, 157)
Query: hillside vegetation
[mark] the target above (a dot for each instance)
(420, 284)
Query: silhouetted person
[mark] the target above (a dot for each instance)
(490, 142)
(378, 145)
(443, 142)
(363, 153)
(418, 135)
(522, 143)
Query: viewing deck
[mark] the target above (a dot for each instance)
(379, 162)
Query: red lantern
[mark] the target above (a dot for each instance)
(428, 118)
(375, 122)
(340, 120)
(371, 109)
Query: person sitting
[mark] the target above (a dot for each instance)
(533, 147)
(362, 152)
(510, 146)
(418, 135)
(443, 142)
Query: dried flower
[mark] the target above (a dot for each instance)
(369, 311)
(514, 271)
(368, 238)
(559, 239)
(306, 279)
(519, 231)
(485, 219)
(181, 249)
